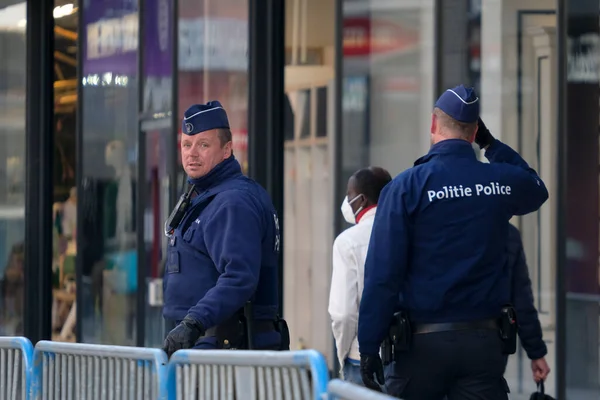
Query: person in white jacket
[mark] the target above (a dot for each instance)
(349, 253)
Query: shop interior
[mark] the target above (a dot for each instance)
(64, 197)
(65, 193)
(12, 164)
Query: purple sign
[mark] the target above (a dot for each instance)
(157, 55)
(157, 37)
(110, 37)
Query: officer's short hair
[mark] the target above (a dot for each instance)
(371, 181)
(224, 135)
(465, 129)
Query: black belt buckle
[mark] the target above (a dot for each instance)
(230, 334)
(508, 329)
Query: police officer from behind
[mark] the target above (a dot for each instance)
(530, 329)
(223, 247)
(438, 249)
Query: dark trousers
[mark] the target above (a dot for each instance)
(169, 325)
(454, 365)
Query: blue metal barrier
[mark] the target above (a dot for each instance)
(247, 374)
(66, 371)
(337, 389)
(16, 360)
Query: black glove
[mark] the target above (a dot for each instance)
(183, 336)
(483, 138)
(369, 366)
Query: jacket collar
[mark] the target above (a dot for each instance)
(226, 169)
(368, 215)
(455, 147)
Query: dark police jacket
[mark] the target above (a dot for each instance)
(228, 254)
(530, 330)
(439, 239)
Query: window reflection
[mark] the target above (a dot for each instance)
(213, 62)
(110, 152)
(157, 140)
(64, 227)
(582, 279)
(12, 167)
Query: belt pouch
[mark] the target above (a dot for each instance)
(387, 355)
(401, 332)
(508, 329)
(282, 327)
(230, 334)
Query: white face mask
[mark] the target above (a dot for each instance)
(349, 215)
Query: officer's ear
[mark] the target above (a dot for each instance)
(434, 123)
(472, 138)
(228, 149)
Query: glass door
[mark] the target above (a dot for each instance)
(581, 237)
(536, 142)
(155, 164)
(519, 97)
(154, 209)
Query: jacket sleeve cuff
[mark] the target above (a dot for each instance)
(538, 353)
(368, 349)
(197, 318)
(490, 152)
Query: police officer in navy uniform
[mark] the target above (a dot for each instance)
(223, 246)
(530, 329)
(438, 249)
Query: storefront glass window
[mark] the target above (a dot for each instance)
(64, 213)
(518, 99)
(213, 62)
(157, 140)
(110, 153)
(387, 86)
(13, 67)
(582, 273)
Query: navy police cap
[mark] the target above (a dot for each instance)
(460, 103)
(204, 117)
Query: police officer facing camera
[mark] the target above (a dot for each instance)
(438, 249)
(220, 280)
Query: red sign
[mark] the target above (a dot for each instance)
(365, 36)
(240, 140)
(399, 84)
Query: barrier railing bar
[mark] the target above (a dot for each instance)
(136, 354)
(339, 389)
(165, 371)
(24, 345)
(81, 349)
(254, 358)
